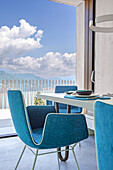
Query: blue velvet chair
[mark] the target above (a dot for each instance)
(40, 127)
(104, 135)
(63, 107)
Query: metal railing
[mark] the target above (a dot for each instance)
(29, 88)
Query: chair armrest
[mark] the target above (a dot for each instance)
(37, 115)
(64, 129)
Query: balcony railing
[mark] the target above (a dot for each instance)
(29, 88)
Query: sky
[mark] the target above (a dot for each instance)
(38, 37)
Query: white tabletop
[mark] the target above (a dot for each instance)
(59, 97)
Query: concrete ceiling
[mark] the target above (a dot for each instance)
(69, 2)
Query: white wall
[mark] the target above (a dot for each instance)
(104, 51)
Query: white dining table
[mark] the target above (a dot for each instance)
(59, 98)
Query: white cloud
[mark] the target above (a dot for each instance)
(39, 33)
(48, 66)
(18, 40)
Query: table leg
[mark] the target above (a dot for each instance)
(67, 147)
(66, 154)
(56, 107)
(68, 108)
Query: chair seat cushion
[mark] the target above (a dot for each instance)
(37, 135)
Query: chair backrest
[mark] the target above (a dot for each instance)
(19, 116)
(63, 130)
(104, 135)
(63, 107)
(62, 89)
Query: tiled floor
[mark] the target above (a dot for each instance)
(11, 148)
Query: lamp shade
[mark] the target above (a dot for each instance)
(99, 19)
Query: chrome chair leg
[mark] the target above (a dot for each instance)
(35, 159)
(75, 159)
(58, 161)
(20, 157)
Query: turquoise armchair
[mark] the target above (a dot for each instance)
(40, 127)
(104, 135)
(63, 107)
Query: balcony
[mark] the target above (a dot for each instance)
(29, 89)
